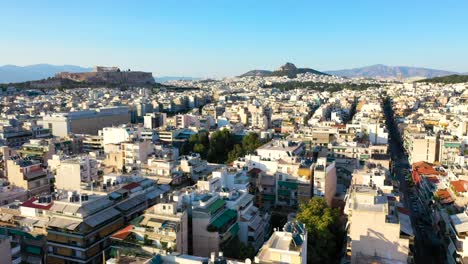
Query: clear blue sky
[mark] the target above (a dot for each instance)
(228, 37)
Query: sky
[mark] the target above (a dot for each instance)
(217, 38)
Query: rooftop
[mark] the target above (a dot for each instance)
(460, 222)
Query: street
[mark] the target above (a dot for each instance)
(427, 245)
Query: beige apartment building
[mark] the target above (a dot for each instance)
(421, 147)
(71, 172)
(28, 175)
(376, 228)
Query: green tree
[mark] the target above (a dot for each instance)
(237, 250)
(251, 142)
(221, 142)
(199, 148)
(236, 152)
(324, 230)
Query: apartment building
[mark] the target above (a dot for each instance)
(71, 172)
(213, 223)
(162, 229)
(85, 121)
(421, 147)
(371, 217)
(41, 150)
(193, 166)
(29, 175)
(154, 120)
(277, 149)
(79, 228)
(253, 225)
(458, 237)
(116, 135)
(450, 150)
(6, 251)
(286, 246)
(324, 179)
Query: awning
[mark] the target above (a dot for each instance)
(101, 217)
(224, 218)
(64, 223)
(33, 250)
(216, 205)
(268, 197)
(290, 185)
(234, 230)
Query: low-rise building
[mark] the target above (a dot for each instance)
(286, 246)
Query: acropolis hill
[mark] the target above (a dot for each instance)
(109, 76)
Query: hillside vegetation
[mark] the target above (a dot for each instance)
(455, 78)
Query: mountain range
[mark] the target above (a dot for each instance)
(14, 74)
(391, 72)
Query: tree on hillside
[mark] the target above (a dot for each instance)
(324, 230)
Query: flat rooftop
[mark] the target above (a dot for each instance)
(281, 240)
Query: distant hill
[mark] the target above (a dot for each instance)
(256, 73)
(14, 74)
(455, 78)
(287, 69)
(163, 79)
(391, 72)
(99, 77)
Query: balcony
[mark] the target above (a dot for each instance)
(15, 249)
(16, 260)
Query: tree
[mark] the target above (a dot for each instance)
(251, 142)
(324, 230)
(236, 152)
(237, 250)
(199, 148)
(220, 147)
(221, 142)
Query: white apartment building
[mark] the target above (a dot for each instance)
(116, 135)
(324, 179)
(286, 246)
(277, 149)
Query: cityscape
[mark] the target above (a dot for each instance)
(111, 158)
